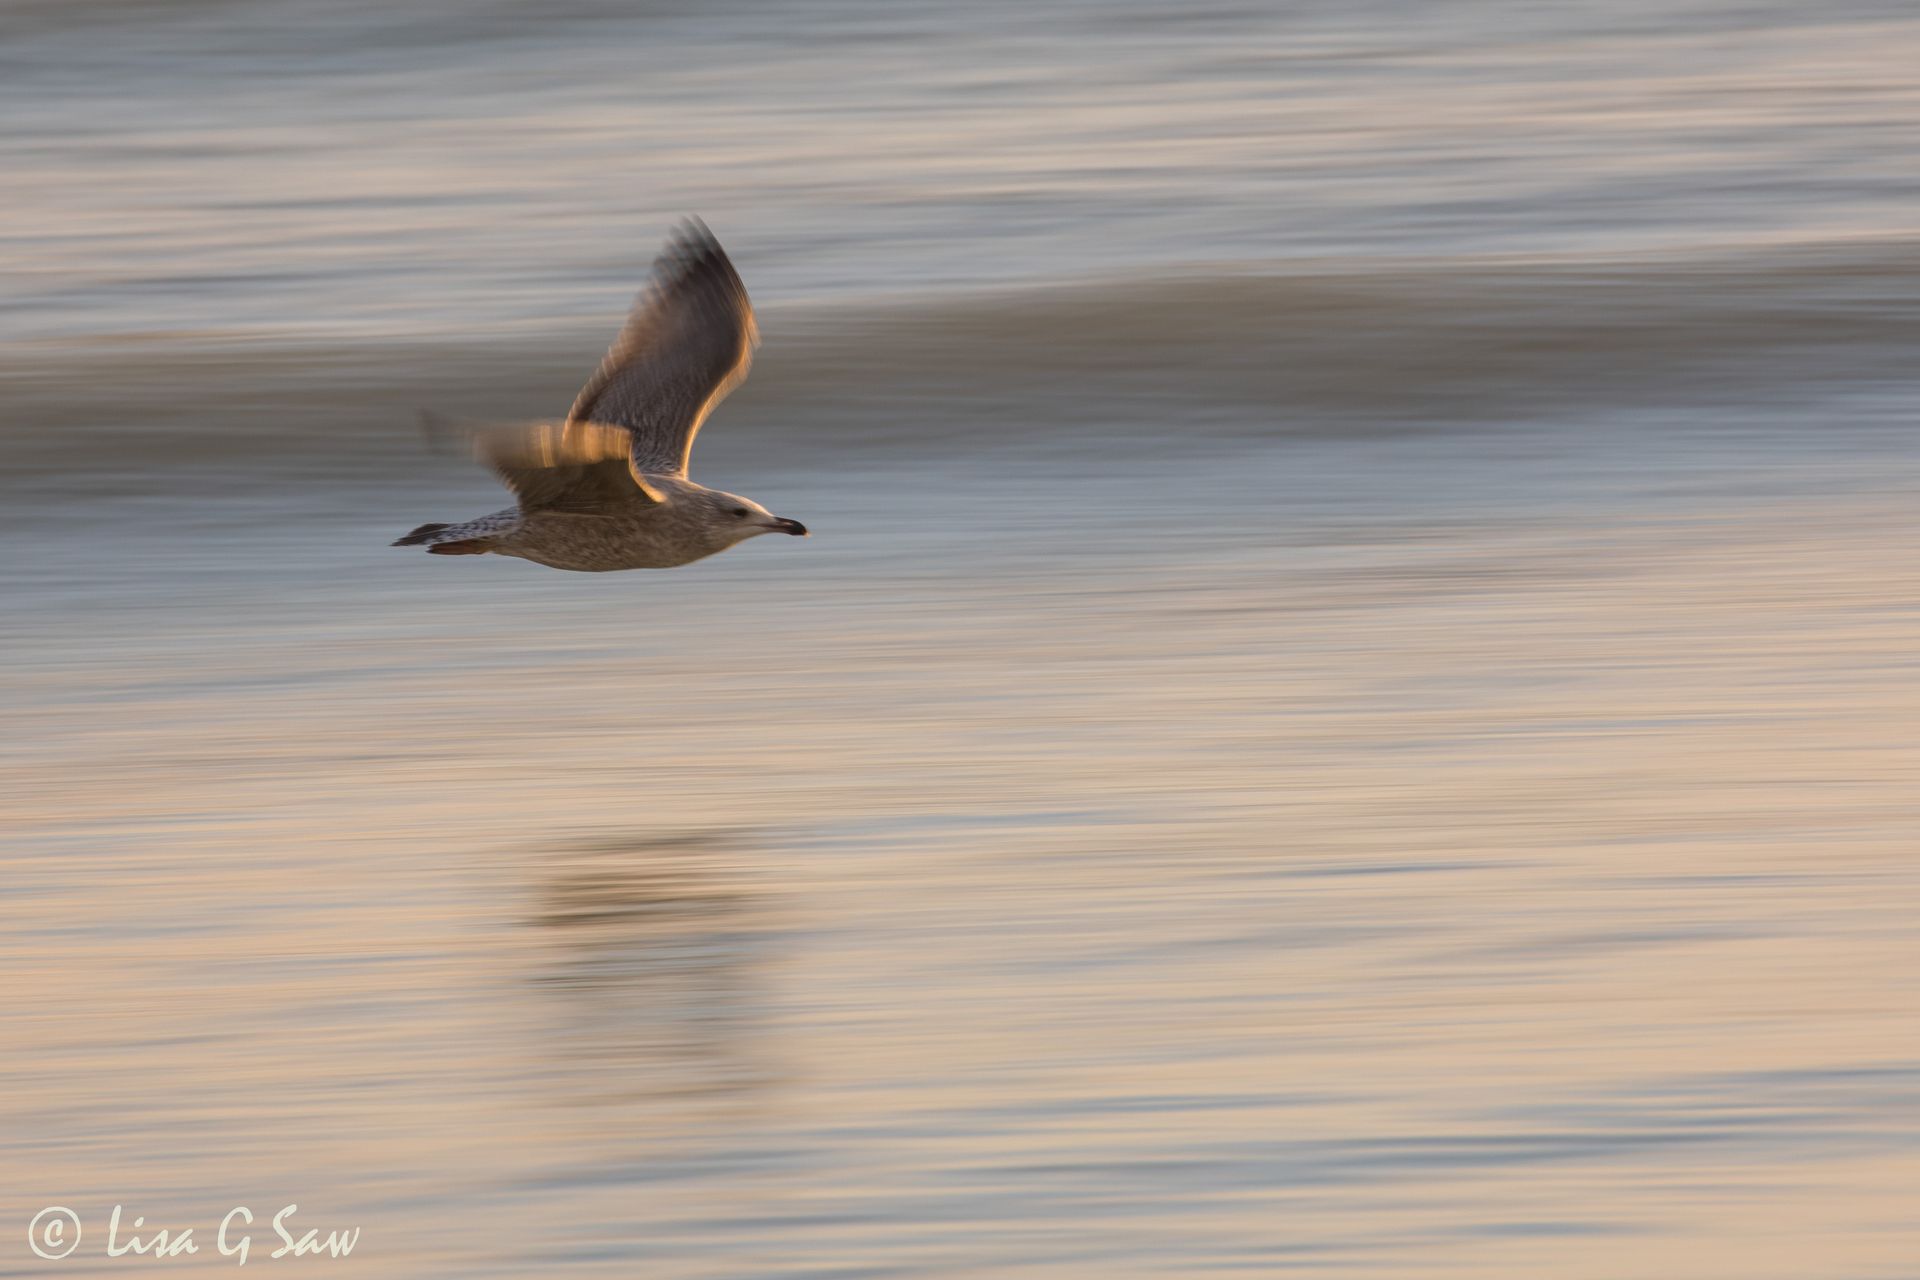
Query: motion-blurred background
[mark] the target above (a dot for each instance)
(1351, 708)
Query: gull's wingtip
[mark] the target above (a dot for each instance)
(689, 240)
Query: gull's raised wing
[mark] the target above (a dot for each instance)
(688, 342)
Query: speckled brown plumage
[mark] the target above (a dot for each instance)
(608, 488)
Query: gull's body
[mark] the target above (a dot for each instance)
(608, 488)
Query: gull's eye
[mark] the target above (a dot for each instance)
(739, 513)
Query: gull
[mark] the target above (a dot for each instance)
(608, 488)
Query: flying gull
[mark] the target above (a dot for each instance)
(608, 488)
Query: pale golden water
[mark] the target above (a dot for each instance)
(1380, 763)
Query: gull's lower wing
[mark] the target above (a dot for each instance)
(584, 469)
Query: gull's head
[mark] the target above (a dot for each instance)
(736, 518)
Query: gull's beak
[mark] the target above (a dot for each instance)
(793, 527)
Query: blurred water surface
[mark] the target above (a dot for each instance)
(1350, 710)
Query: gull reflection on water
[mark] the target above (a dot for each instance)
(651, 968)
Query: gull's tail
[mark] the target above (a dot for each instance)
(474, 538)
(423, 534)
